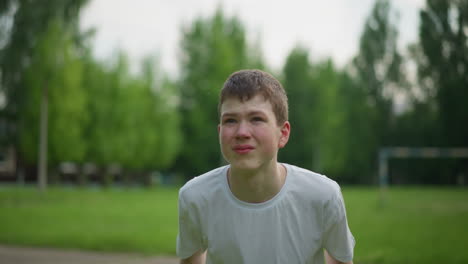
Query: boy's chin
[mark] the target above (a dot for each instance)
(246, 165)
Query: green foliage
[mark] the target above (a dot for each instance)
(56, 70)
(315, 117)
(29, 22)
(331, 144)
(378, 66)
(443, 67)
(212, 49)
(357, 136)
(377, 76)
(95, 114)
(340, 119)
(378, 63)
(134, 121)
(329, 119)
(96, 82)
(303, 110)
(438, 114)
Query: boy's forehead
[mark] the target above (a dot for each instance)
(235, 103)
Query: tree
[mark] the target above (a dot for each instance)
(212, 49)
(331, 144)
(358, 138)
(55, 66)
(379, 72)
(22, 23)
(378, 66)
(443, 66)
(303, 99)
(329, 119)
(30, 20)
(147, 113)
(134, 119)
(439, 116)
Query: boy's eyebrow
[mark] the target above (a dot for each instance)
(228, 114)
(255, 112)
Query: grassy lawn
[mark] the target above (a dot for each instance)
(415, 225)
(135, 220)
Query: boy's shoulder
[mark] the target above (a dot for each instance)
(311, 183)
(204, 184)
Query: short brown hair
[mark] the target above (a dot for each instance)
(245, 84)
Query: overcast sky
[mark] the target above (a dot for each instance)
(325, 28)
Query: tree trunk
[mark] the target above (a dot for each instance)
(42, 166)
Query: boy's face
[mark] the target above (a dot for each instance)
(249, 134)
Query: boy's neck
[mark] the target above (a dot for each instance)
(257, 186)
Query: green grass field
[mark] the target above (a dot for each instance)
(414, 225)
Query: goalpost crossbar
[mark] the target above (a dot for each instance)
(408, 152)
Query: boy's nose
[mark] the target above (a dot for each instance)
(243, 130)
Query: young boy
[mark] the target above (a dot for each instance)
(257, 210)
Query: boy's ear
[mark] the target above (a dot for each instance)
(219, 128)
(285, 131)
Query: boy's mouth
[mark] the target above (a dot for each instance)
(243, 149)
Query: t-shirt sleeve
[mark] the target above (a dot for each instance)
(189, 239)
(337, 240)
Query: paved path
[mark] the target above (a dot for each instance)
(28, 255)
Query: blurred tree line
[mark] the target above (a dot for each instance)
(101, 112)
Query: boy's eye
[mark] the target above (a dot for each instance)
(229, 121)
(257, 119)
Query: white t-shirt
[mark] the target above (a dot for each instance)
(306, 216)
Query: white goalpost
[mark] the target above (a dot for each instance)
(406, 152)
